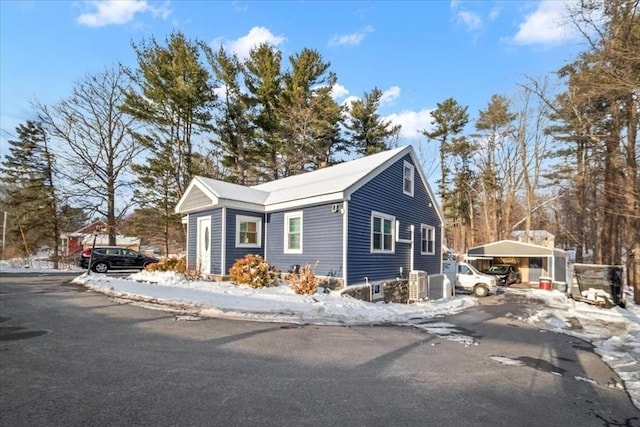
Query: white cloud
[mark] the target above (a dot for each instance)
(349, 100)
(243, 45)
(471, 20)
(494, 14)
(338, 91)
(390, 95)
(239, 7)
(353, 39)
(412, 122)
(546, 25)
(107, 12)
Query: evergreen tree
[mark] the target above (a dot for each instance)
(310, 116)
(157, 196)
(263, 82)
(72, 218)
(462, 203)
(231, 121)
(173, 99)
(448, 121)
(496, 163)
(28, 174)
(369, 132)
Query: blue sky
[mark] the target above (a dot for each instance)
(417, 52)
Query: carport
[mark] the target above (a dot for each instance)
(533, 261)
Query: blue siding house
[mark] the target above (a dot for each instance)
(367, 220)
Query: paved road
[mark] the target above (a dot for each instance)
(72, 357)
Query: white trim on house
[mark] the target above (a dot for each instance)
(398, 239)
(412, 171)
(413, 238)
(383, 217)
(204, 265)
(345, 240)
(240, 205)
(327, 185)
(288, 216)
(240, 219)
(223, 237)
(432, 229)
(309, 201)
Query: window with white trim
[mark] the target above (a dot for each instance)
(408, 173)
(293, 233)
(248, 231)
(427, 240)
(382, 232)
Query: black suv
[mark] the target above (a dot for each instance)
(506, 274)
(114, 258)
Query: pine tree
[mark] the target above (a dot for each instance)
(448, 121)
(232, 133)
(310, 116)
(28, 173)
(369, 132)
(173, 98)
(497, 164)
(263, 82)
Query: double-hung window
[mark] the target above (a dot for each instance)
(427, 240)
(382, 229)
(293, 233)
(408, 173)
(248, 231)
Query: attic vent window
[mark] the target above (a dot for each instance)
(408, 178)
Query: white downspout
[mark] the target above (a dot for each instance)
(223, 246)
(411, 265)
(407, 241)
(264, 236)
(345, 240)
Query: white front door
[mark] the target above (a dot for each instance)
(203, 253)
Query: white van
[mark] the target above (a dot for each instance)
(471, 280)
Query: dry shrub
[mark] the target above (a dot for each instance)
(179, 265)
(304, 281)
(254, 271)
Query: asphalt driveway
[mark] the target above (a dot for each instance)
(73, 357)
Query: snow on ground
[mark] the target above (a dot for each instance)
(614, 333)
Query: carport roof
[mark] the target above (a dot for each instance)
(511, 248)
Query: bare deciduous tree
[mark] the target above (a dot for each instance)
(94, 144)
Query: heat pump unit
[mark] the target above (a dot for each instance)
(418, 285)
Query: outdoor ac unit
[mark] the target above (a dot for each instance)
(418, 285)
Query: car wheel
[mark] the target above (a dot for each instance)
(100, 267)
(481, 291)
